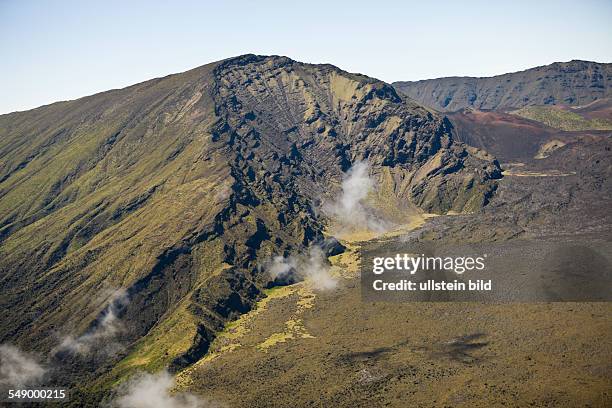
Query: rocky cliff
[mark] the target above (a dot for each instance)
(174, 190)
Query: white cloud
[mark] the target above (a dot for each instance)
(350, 209)
(153, 391)
(103, 333)
(311, 266)
(18, 369)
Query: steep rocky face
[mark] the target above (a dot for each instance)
(315, 121)
(571, 83)
(177, 188)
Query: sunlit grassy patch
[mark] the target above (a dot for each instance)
(559, 118)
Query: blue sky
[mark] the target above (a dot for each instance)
(57, 50)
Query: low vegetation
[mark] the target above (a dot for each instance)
(560, 118)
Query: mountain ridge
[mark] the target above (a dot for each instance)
(240, 57)
(572, 82)
(175, 189)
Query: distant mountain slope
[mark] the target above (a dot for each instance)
(571, 83)
(177, 188)
(511, 137)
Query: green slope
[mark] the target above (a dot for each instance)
(175, 190)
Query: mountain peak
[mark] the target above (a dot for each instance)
(188, 182)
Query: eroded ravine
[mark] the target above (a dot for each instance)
(288, 304)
